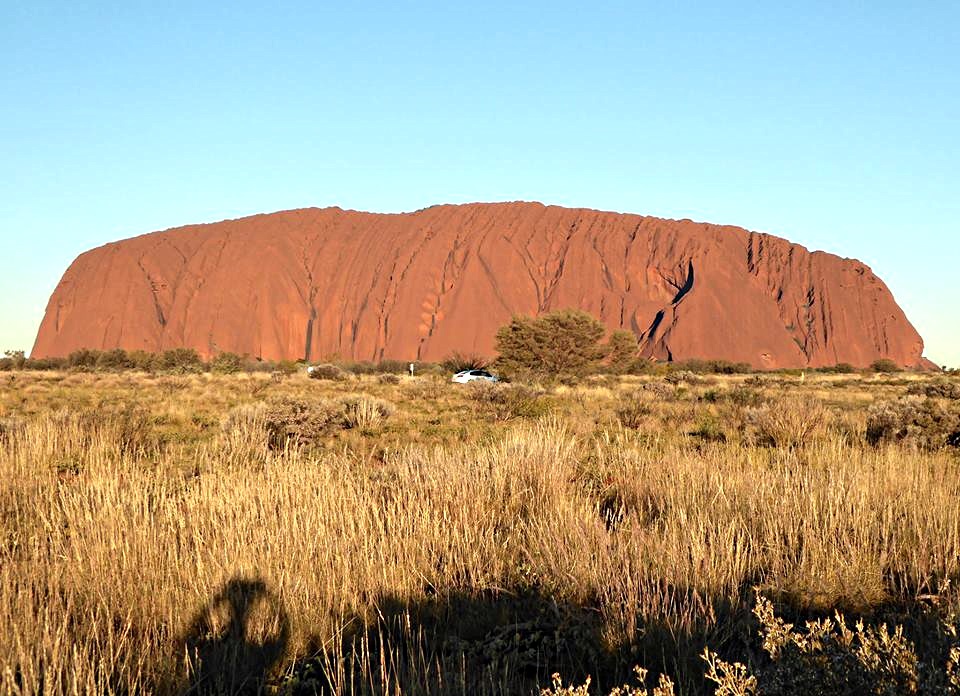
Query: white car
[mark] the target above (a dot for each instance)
(465, 376)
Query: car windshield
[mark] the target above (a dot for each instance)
(480, 373)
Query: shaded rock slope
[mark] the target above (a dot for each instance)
(321, 283)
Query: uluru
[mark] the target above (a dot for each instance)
(330, 283)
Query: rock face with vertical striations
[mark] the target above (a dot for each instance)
(323, 283)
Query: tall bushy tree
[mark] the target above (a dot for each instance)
(622, 350)
(562, 343)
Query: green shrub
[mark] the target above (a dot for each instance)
(115, 359)
(712, 396)
(398, 367)
(83, 359)
(640, 366)
(288, 367)
(45, 364)
(362, 367)
(709, 429)
(388, 378)
(839, 369)
(741, 396)
(745, 396)
(226, 363)
(142, 360)
(179, 360)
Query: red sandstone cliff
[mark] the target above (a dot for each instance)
(321, 283)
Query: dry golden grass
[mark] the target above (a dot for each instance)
(145, 547)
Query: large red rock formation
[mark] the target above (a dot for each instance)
(323, 283)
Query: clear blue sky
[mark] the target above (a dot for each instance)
(834, 124)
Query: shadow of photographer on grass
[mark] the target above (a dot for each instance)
(234, 642)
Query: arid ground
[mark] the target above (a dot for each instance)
(384, 534)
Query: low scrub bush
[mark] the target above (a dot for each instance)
(741, 396)
(937, 389)
(327, 371)
(396, 367)
(745, 396)
(503, 402)
(661, 390)
(226, 363)
(363, 367)
(399, 367)
(388, 378)
(919, 422)
(838, 369)
(426, 388)
(716, 367)
(709, 429)
(310, 421)
(682, 376)
(302, 421)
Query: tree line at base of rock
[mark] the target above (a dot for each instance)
(564, 344)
